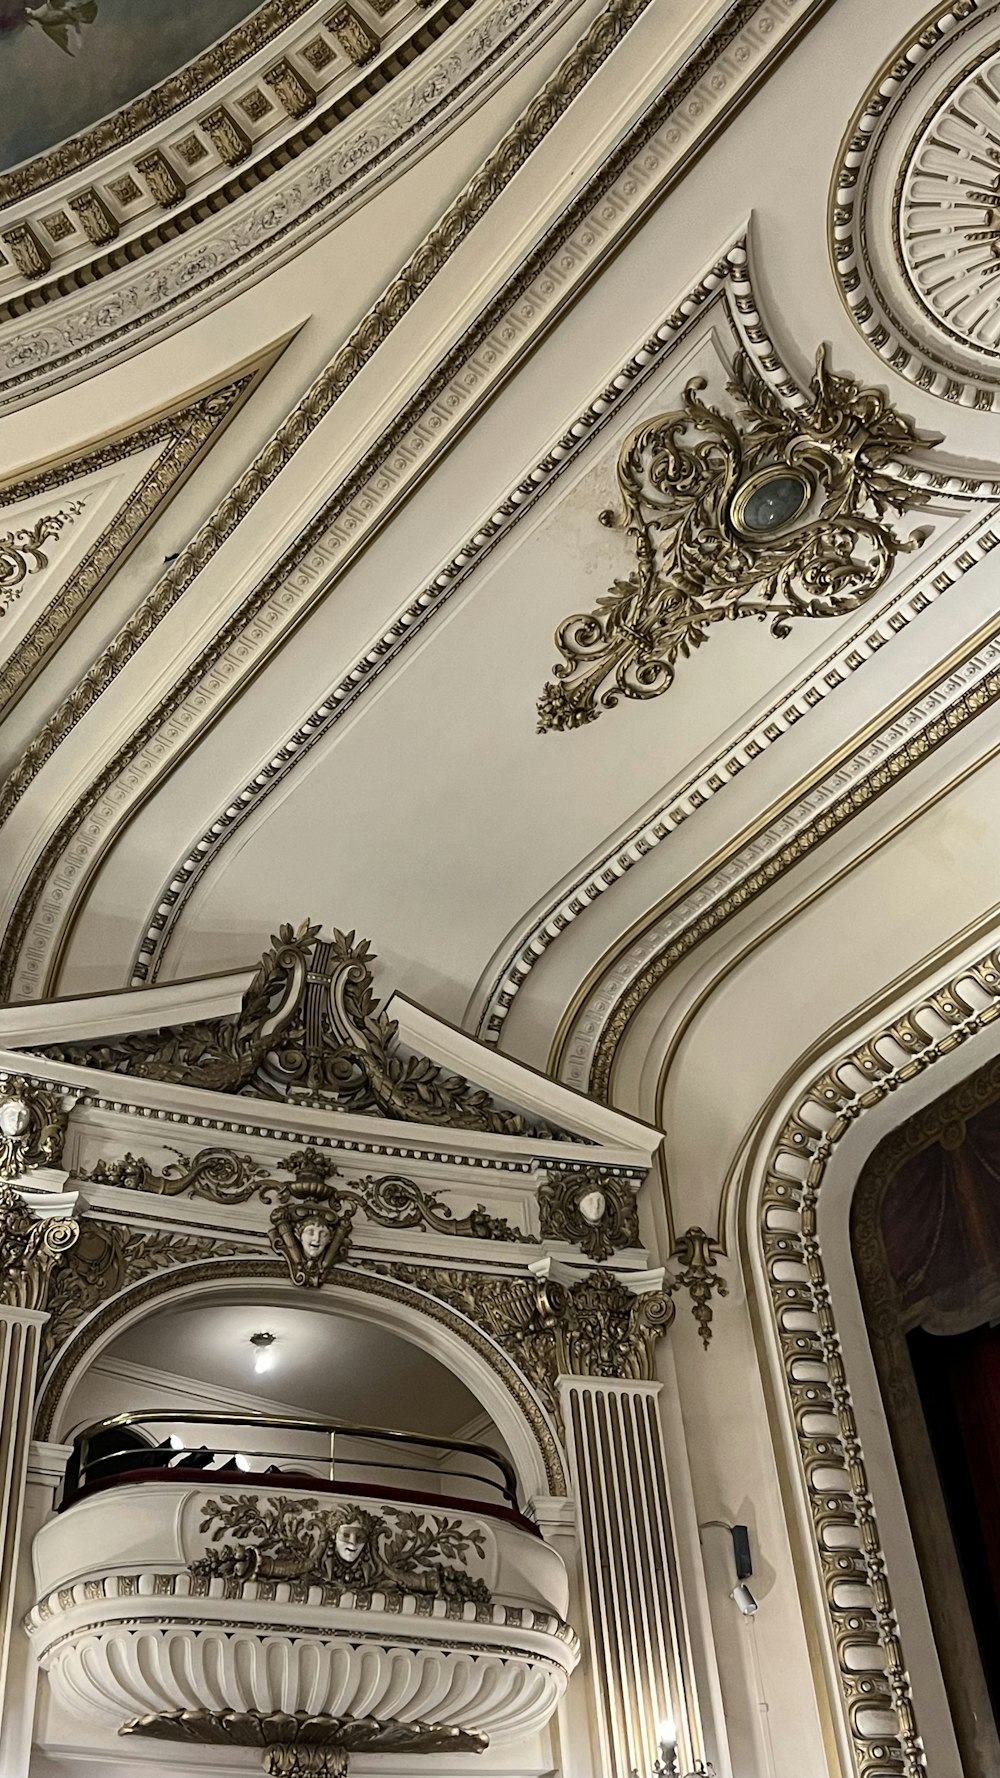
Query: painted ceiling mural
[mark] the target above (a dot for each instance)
(65, 64)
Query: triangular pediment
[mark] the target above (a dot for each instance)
(306, 1031)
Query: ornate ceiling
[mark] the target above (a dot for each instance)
(308, 421)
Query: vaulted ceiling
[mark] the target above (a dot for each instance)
(316, 365)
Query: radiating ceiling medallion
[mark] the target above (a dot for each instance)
(949, 212)
(775, 513)
(914, 218)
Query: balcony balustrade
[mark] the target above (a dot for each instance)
(363, 1591)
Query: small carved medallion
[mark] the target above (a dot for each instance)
(594, 1210)
(32, 1127)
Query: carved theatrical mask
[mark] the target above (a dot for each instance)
(312, 1236)
(592, 1207)
(350, 1541)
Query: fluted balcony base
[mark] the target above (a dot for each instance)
(297, 1746)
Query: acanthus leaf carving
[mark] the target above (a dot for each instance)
(30, 1248)
(224, 1177)
(311, 1030)
(778, 513)
(394, 1551)
(32, 1126)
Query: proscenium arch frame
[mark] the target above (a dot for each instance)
(789, 1217)
(392, 1303)
(964, 1667)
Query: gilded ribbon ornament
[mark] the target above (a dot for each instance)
(774, 513)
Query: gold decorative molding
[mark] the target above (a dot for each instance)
(305, 1746)
(116, 1270)
(225, 1177)
(107, 1258)
(154, 107)
(591, 1208)
(541, 114)
(943, 1121)
(356, 38)
(32, 1126)
(698, 1254)
(777, 514)
(918, 337)
(846, 1541)
(182, 435)
(597, 1327)
(30, 1249)
(310, 1029)
(910, 749)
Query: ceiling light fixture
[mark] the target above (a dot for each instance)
(263, 1355)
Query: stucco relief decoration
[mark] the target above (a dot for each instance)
(22, 553)
(346, 1549)
(949, 211)
(311, 1226)
(224, 1177)
(32, 1126)
(596, 1211)
(773, 513)
(311, 1030)
(301, 1746)
(699, 1254)
(30, 1248)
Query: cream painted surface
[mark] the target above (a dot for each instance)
(434, 819)
(520, 815)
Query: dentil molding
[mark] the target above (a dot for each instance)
(216, 200)
(913, 208)
(654, 153)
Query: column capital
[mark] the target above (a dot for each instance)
(607, 1329)
(30, 1248)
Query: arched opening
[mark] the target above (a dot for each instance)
(925, 1235)
(459, 1356)
(237, 1382)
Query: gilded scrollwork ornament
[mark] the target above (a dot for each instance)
(23, 552)
(32, 1126)
(597, 1327)
(30, 1248)
(593, 1209)
(303, 1746)
(699, 1255)
(776, 513)
(225, 1177)
(606, 1329)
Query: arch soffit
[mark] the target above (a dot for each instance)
(788, 1218)
(400, 1307)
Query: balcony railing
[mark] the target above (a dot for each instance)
(328, 1453)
